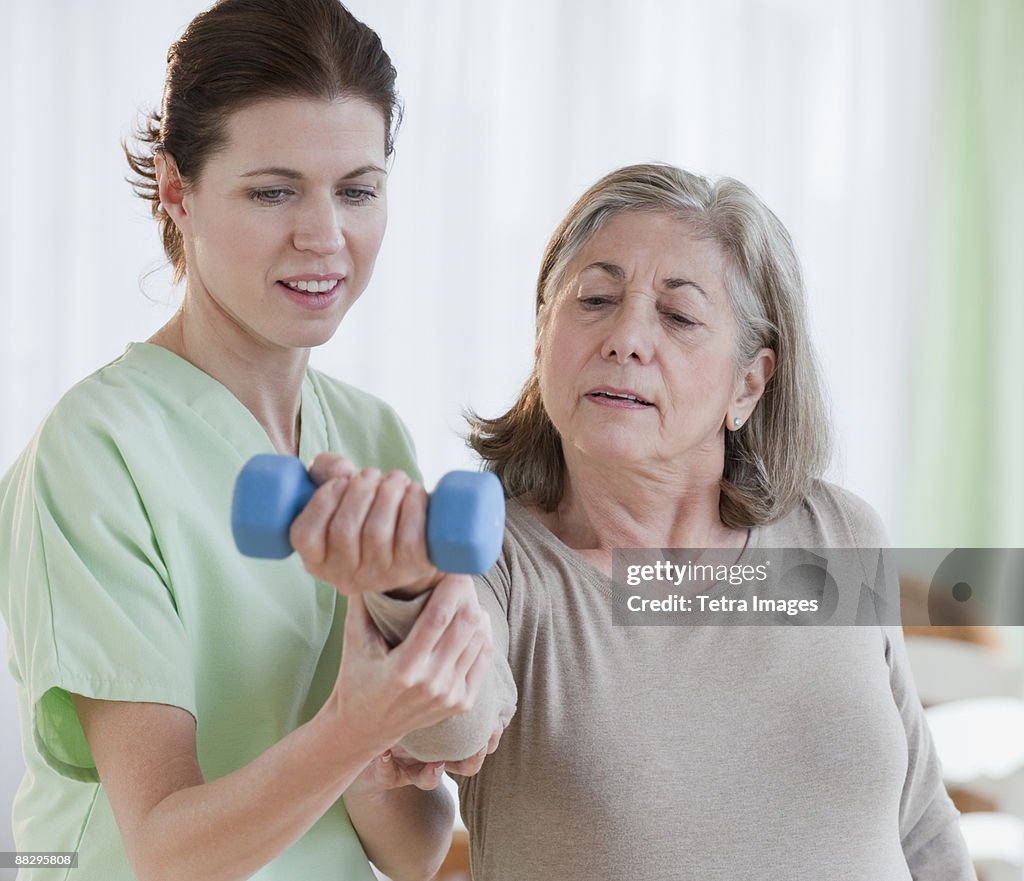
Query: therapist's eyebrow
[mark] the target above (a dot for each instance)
(292, 174)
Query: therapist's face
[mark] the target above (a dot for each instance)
(284, 224)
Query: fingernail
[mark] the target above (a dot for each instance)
(385, 757)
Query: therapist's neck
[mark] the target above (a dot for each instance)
(265, 377)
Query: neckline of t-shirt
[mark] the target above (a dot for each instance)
(525, 518)
(143, 356)
(137, 355)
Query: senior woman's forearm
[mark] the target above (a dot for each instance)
(406, 832)
(465, 734)
(937, 852)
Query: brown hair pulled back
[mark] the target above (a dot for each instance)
(239, 52)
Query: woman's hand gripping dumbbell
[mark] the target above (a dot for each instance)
(355, 528)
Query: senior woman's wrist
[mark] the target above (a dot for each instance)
(394, 616)
(416, 589)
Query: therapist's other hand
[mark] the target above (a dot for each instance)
(364, 530)
(394, 768)
(383, 693)
(472, 765)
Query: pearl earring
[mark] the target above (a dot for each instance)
(737, 422)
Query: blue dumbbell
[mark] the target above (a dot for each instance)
(465, 513)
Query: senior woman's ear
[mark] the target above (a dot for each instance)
(750, 385)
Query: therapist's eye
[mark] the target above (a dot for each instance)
(359, 195)
(270, 195)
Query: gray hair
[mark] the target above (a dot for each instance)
(771, 461)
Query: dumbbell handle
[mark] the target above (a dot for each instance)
(465, 513)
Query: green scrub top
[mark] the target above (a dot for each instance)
(119, 580)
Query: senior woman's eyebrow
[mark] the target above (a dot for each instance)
(673, 283)
(670, 282)
(616, 272)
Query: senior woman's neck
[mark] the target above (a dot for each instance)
(601, 510)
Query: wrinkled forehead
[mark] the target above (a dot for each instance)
(659, 248)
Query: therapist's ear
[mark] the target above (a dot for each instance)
(172, 189)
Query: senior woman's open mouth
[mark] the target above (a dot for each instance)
(613, 397)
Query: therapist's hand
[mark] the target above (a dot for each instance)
(382, 692)
(364, 531)
(396, 767)
(472, 765)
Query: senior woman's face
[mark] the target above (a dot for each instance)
(637, 357)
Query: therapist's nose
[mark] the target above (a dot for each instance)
(320, 227)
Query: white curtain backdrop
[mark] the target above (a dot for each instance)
(512, 109)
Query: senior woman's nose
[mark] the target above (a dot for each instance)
(630, 334)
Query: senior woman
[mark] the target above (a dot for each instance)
(675, 403)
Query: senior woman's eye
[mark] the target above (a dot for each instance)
(678, 319)
(593, 301)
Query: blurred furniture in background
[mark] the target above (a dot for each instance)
(973, 692)
(952, 670)
(996, 842)
(456, 865)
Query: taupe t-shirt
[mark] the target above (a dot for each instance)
(712, 753)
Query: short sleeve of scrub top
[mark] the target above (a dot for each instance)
(120, 580)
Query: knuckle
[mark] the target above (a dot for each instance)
(299, 539)
(418, 498)
(369, 475)
(427, 692)
(322, 461)
(406, 680)
(465, 617)
(344, 465)
(308, 551)
(477, 626)
(398, 478)
(488, 636)
(446, 591)
(436, 615)
(411, 546)
(341, 529)
(483, 621)
(377, 537)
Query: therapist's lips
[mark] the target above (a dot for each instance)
(313, 291)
